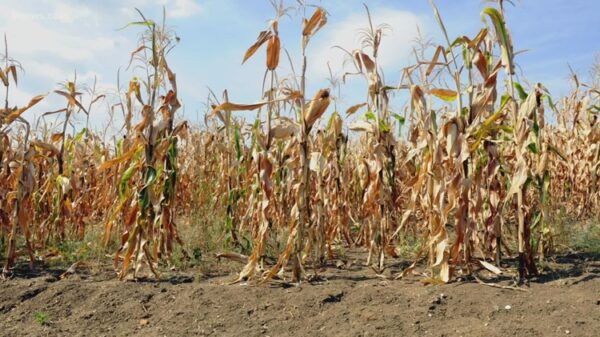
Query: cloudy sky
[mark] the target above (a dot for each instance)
(54, 38)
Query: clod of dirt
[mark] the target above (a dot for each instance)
(29, 294)
(6, 308)
(439, 300)
(51, 279)
(88, 315)
(333, 298)
(340, 264)
(181, 279)
(146, 298)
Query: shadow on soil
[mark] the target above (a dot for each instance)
(566, 266)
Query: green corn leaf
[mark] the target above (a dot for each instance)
(401, 120)
(331, 119)
(151, 175)
(502, 33)
(370, 116)
(522, 93)
(545, 187)
(533, 148)
(558, 152)
(237, 139)
(550, 102)
(383, 127)
(125, 179)
(536, 219)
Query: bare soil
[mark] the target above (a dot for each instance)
(347, 299)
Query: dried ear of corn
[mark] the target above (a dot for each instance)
(317, 107)
(273, 52)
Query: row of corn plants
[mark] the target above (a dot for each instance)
(472, 166)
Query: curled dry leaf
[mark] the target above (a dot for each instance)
(124, 157)
(237, 107)
(336, 124)
(71, 98)
(438, 51)
(45, 146)
(364, 62)
(241, 258)
(354, 108)
(362, 125)
(266, 168)
(16, 113)
(490, 267)
(445, 94)
(73, 269)
(3, 77)
(263, 37)
(285, 129)
(317, 162)
(316, 22)
(519, 178)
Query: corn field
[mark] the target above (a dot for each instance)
(473, 167)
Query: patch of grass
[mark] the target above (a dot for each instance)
(203, 233)
(409, 246)
(587, 239)
(41, 318)
(574, 234)
(90, 250)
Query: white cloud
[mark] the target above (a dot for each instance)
(69, 13)
(182, 8)
(54, 42)
(55, 30)
(54, 39)
(44, 70)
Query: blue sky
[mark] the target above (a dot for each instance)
(54, 38)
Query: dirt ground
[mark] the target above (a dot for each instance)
(348, 300)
